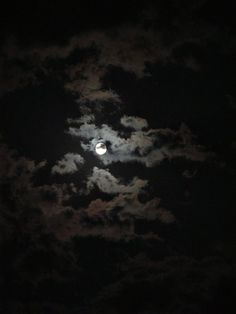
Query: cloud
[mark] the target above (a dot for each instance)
(135, 123)
(148, 147)
(17, 173)
(87, 118)
(165, 216)
(128, 47)
(177, 284)
(129, 208)
(90, 89)
(112, 218)
(69, 164)
(12, 165)
(85, 78)
(107, 183)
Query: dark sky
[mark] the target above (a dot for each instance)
(148, 227)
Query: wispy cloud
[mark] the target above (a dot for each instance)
(69, 164)
(149, 147)
(107, 183)
(135, 123)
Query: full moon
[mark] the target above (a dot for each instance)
(100, 148)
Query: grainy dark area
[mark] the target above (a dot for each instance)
(149, 226)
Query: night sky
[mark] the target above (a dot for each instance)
(148, 227)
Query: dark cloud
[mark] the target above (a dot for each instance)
(166, 287)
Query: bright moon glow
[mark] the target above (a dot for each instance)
(100, 148)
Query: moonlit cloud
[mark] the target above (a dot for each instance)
(135, 123)
(69, 164)
(88, 118)
(107, 183)
(113, 218)
(146, 147)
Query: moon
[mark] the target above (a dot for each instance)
(100, 148)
